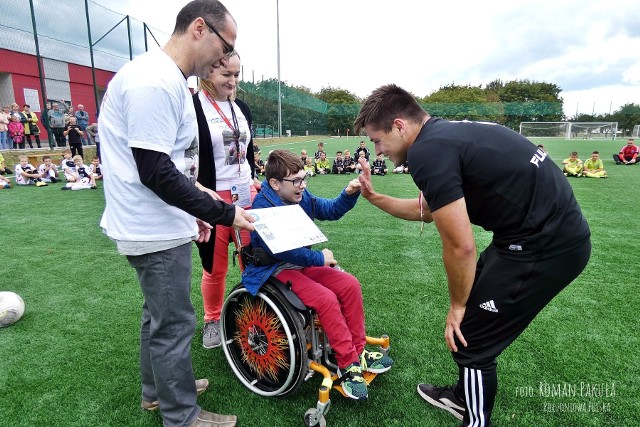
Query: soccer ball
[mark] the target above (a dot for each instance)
(11, 308)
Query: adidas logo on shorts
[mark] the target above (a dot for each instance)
(489, 306)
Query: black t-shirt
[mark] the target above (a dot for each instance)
(510, 187)
(74, 136)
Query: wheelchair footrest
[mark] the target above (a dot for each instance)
(368, 378)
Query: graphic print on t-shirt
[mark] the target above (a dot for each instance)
(191, 161)
(236, 149)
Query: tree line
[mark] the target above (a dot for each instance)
(333, 110)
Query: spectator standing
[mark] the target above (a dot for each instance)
(57, 125)
(68, 114)
(73, 132)
(5, 117)
(16, 132)
(82, 120)
(30, 122)
(92, 131)
(15, 110)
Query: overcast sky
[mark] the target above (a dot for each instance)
(590, 48)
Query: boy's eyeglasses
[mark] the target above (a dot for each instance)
(297, 182)
(227, 48)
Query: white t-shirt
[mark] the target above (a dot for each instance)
(147, 105)
(224, 146)
(20, 179)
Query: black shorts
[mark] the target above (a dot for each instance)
(506, 296)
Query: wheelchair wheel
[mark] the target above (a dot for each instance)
(263, 338)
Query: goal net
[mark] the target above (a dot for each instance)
(570, 130)
(545, 129)
(636, 132)
(594, 130)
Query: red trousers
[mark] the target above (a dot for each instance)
(213, 284)
(336, 296)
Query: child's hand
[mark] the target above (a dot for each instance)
(329, 260)
(353, 187)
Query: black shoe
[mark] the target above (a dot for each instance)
(54, 179)
(443, 398)
(65, 188)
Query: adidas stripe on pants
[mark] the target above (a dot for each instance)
(506, 296)
(479, 391)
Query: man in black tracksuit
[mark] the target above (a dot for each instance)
(541, 241)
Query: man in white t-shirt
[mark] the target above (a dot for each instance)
(154, 209)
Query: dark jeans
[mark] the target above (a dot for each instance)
(76, 149)
(166, 330)
(28, 139)
(61, 140)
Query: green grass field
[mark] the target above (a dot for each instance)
(72, 360)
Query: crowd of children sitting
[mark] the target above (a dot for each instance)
(343, 163)
(77, 175)
(572, 166)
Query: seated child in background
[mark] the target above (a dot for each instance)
(83, 179)
(48, 170)
(572, 165)
(322, 165)
(593, 167)
(403, 168)
(379, 166)
(338, 164)
(68, 166)
(362, 156)
(16, 132)
(95, 168)
(303, 156)
(4, 170)
(348, 162)
(320, 151)
(335, 295)
(26, 174)
(4, 182)
(309, 167)
(361, 147)
(259, 163)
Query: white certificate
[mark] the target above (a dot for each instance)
(284, 228)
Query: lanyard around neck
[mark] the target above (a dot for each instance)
(235, 128)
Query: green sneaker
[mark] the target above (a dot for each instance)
(375, 362)
(353, 383)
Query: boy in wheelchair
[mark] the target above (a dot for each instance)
(336, 296)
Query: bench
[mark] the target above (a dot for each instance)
(36, 159)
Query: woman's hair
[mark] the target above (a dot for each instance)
(207, 85)
(282, 163)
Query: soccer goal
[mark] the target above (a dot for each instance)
(636, 132)
(545, 129)
(570, 130)
(594, 130)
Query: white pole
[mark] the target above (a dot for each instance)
(279, 94)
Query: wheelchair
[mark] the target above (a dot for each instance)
(274, 343)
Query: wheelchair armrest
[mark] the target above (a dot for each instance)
(291, 296)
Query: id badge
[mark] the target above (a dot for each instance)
(241, 194)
